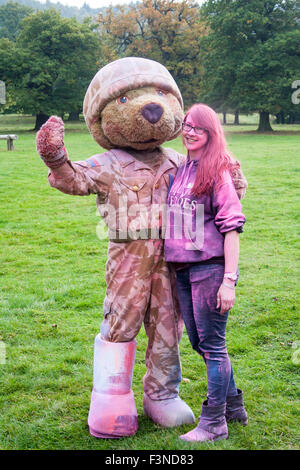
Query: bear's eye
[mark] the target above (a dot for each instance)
(122, 100)
(161, 92)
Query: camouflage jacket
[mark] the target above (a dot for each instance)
(131, 196)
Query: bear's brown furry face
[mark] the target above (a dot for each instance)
(141, 119)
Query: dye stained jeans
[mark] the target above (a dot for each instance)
(197, 288)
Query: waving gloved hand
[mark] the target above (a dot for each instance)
(50, 142)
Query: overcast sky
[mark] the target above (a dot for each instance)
(94, 3)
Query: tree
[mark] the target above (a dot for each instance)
(11, 14)
(55, 60)
(251, 55)
(269, 75)
(167, 31)
(10, 66)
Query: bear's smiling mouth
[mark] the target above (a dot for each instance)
(149, 141)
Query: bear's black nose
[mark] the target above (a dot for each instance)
(152, 112)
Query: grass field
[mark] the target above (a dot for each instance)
(52, 289)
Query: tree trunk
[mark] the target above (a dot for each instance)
(224, 118)
(264, 122)
(40, 119)
(74, 115)
(280, 118)
(291, 119)
(236, 118)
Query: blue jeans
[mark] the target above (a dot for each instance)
(197, 288)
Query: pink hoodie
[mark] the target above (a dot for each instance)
(196, 226)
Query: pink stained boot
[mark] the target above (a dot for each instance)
(212, 426)
(112, 411)
(235, 410)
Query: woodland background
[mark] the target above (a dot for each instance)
(237, 56)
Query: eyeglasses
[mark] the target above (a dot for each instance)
(198, 130)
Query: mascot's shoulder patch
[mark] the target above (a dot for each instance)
(97, 160)
(93, 161)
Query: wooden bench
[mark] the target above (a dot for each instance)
(10, 140)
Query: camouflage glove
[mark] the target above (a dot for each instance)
(50, 143)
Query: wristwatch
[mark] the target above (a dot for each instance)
(231, 276)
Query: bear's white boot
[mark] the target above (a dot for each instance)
(168, 413)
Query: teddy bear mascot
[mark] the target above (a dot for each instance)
(132, 106)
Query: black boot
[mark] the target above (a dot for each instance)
(235, 410)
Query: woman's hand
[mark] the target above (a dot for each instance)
(226, 296)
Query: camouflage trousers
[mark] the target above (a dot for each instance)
(141, 289)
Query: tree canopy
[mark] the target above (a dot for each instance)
(167, 31)
(51, 63)
(11, 14)
(251, 55)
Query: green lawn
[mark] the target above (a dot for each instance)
(52, 289)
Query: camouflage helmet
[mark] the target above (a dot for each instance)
(119, 77)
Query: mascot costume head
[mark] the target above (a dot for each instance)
(133, 103)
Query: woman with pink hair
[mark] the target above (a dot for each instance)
(202, 243)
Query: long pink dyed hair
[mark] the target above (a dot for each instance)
(214, 158)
